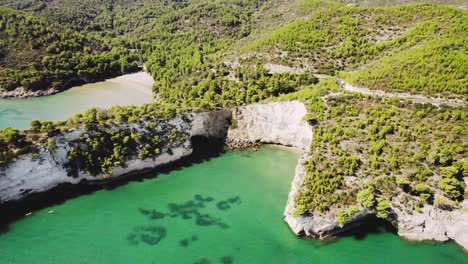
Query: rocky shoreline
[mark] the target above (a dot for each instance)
(431, 224)
(240, 144)
(22, 93)
(46, 170)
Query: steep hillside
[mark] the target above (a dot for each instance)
(180, 40)
(92, 14)
(111, 16)
(456, 3)
(414, 48)
(407, 154)
(176, 39)
(36, 56)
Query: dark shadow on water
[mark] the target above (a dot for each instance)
(204, 149)
(223, 260)
(184, 242)
(370, 226)
(227, 260)
(192, 210)
(150, 235)
(202, 261)
(226, 205)
(187, 241)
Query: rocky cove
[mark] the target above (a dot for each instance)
(275, 123)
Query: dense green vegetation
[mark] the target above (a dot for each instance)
(458, 3)
(14, 143)
(379, 152)
(97, 151)
(226, 87)
(177, 40)
(182, 41)
(436, 66)
(415, 48)
(108, 16)
(37, 56)
(183, 52)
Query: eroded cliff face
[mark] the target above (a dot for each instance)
(48, 169)
(431, 224)
(435, 224)
(277, 123)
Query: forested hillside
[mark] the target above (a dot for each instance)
(457, 3)
(413, 48)
(174, 38)
(210, 54)
(60, 43)
(110, 16)
(37, 56)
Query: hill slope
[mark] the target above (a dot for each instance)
(415, 48)
(173, 35)
(37, 56)
(389, 48)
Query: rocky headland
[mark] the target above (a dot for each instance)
(431, 224)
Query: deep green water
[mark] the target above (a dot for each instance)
(225, 210)
(130, 89)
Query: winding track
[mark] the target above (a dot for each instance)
(351, 88)
(416, 98)
(412, 97)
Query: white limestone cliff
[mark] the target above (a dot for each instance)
(277, 123)
(32, 174)
(431, 224)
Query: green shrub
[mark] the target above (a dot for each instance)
(366, 197)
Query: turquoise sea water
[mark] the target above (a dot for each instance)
(225, 210)
(130, 89)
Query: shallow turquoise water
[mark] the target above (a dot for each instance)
(131, 89)
(225, 210)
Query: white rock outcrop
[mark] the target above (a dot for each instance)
(431, 224)
(435, 224)
(22, 92)
(277, 123)
(32, 174)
